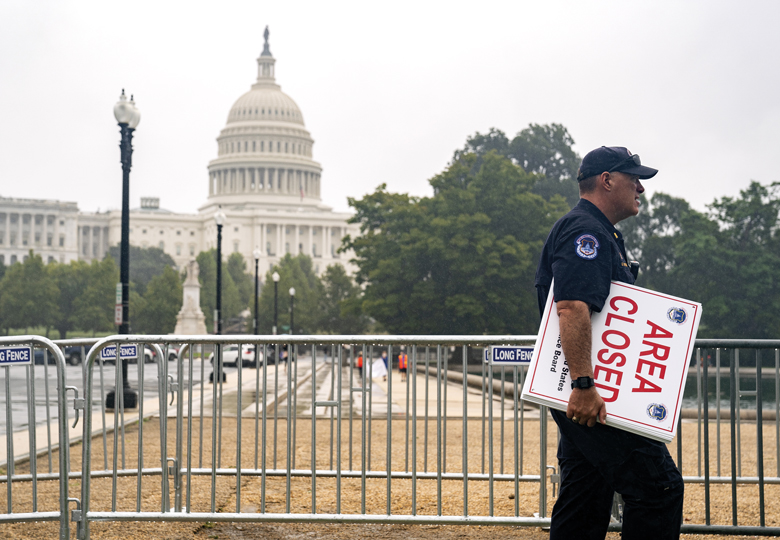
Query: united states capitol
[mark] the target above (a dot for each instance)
(264, 179)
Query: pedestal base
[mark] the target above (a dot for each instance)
(223, 378)
(129, 396)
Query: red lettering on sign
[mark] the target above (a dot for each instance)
(608, 374)
(659, 352)
(605, 338)
(614, 391)
(652, 367)
(611, 316)
(658, 332)
(615, 300)
(645, 385)
(612, 358)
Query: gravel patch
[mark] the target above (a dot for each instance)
(352, 500)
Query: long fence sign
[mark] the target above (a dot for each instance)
(504, 355)
(15, 356)
(126, 352)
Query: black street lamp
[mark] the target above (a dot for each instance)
(292, 310)
(128, 117)
(256, 254)
(219, 219)
(275, 277)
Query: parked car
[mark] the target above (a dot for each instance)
(72, 354)
(230, 356)
(150, 354)
(38, 356)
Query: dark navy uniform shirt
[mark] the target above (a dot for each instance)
(584, 252)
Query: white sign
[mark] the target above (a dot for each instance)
(508, 356)
(378, 369)
(118, 293)
(126, 352)
(641, 344)
(118, 314)
(15, 356)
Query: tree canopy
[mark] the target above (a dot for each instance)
(340, 304)
(459, 262)
(231, 298)
(145, 263)
(725, 258)
(297, 272)
(71, 282)
(545, 150)
(162, 302)
(245, 283)
(27, 296)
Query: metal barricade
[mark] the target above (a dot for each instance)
(26, 391)
(305, 434)
(338, 437)
(714, 358)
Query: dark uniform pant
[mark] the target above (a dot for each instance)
(594, 463)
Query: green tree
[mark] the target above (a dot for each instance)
(460, 262)
(27, 295)
(480, 144)
(545, 150)
(94, 307)
(145, 263)
(161, 304)
(245, 283)
(297, 272)
(341, 303)
(749, 241)
(136, 306)
(231, 299)
(726, 259)
(71, 281)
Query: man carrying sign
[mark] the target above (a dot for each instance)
(583, 253)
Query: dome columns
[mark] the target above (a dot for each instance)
(277, 180)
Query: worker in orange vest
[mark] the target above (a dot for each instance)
(359, 365)
(403, 363)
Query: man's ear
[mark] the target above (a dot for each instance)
(605, 179)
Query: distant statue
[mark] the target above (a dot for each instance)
(266, 48)
(193, 270)
(190, 320)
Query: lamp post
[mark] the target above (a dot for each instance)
(128, 117)
(275, 277)
(292, 310)
(290, 354)
(256, 254)
(219, 219)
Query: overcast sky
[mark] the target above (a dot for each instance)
(387, 90)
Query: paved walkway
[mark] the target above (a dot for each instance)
(320, 385)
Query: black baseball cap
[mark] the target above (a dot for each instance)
(613, 159)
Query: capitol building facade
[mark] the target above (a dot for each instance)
(264, 179)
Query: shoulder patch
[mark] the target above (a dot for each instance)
(586, 246)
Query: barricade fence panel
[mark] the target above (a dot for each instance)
(34, 450)
(314, 428)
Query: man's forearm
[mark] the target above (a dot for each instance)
(576, 336)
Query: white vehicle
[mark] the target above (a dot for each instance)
(230, 356)
(150, 355)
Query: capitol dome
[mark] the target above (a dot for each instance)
(265, 103)
(264, 152)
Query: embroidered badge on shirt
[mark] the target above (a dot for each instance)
(587, 246)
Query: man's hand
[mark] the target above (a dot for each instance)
(586, 406)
